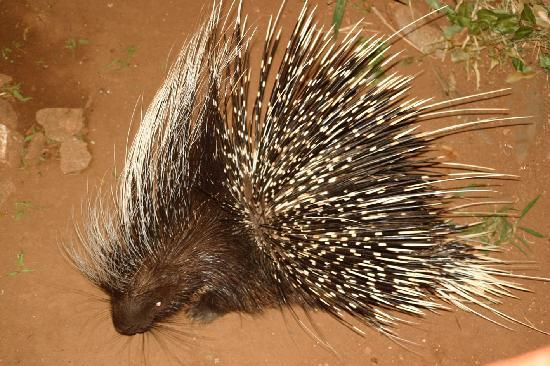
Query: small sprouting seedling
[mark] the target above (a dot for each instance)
(6, 52)
(15, 91)
(21, 208)
(338, 15)
(72, 44)
(30, 136)
(9, 53)
(20, 264)
(500, 228)
(123, 61)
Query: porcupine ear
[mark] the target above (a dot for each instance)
(152, 199)
(328, 174)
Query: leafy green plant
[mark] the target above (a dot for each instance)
(6, 52)
(123, 61)
(506, 30)
(15, 91)
(12, 51)
(31, 134)
(72, 44)
(500, 228)
(20, 264)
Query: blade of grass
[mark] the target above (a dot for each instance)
(338, 15)
(524, 242)
(531, 231)
(528, 207)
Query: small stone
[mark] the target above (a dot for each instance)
(11, 145)
(74, 156)
(8, 117)
(7, 188)
(5, 79)
(61, 124)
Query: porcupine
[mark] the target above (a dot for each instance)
(320, 193)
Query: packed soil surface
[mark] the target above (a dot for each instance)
(51, 315)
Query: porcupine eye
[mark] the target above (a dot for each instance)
(132, 314)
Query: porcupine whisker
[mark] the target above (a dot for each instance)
(166, 344)
(177, 335)
(176, 329)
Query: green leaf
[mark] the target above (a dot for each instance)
(525, 243)
(15, 91)
(463, 21)
(17, 94)
(20, 259)
(506, 24)
(487, 16)
(522, 32)
(465, 9)
(83, 41)
(528, 207)
(27, 270)
(13, 273)
(131, 50)
(528, 15)
(338, 15)
(520, 66)
(531, 231)
(504, 230)
(70, 44)
(544, 61)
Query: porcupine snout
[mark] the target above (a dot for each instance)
(131, 315)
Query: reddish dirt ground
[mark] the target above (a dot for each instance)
(53, 316)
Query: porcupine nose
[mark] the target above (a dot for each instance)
(128, 329)
(129, 317)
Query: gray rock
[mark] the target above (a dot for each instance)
(8, 117)
(61, 124)
(74, 156)
(11, 145)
